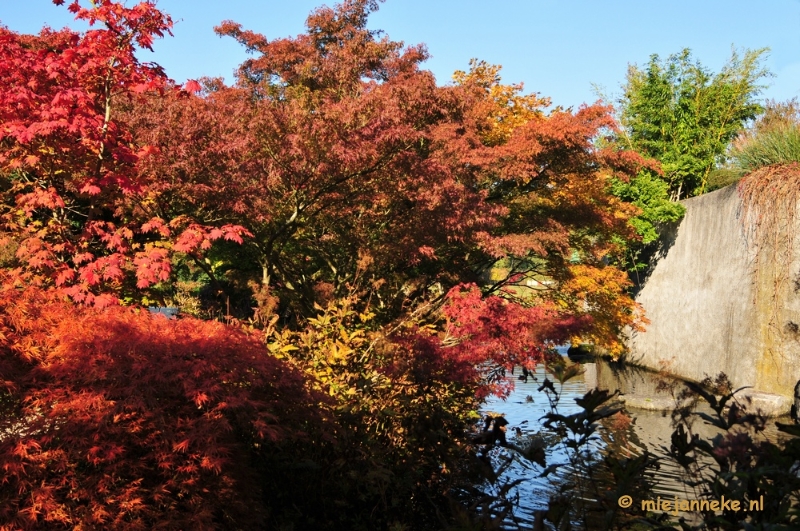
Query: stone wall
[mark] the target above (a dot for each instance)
(711, 310)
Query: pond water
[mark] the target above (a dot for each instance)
(648, 430)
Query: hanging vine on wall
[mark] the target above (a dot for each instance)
(768, 210)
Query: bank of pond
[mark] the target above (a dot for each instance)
(610, 459)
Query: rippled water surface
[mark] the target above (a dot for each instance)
(525, 407)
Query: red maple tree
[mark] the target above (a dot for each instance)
(70, 166)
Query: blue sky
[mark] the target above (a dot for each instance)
(558, 48)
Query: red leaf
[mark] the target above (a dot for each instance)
(192, 86)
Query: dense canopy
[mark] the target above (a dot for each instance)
(376, 244)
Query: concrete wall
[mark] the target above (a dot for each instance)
(710, 312)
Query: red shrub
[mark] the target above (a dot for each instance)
(117, 419)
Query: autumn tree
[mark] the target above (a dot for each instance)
(560, 221)
(355, 172)
(70, 189)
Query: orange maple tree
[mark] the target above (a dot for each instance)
(353, 170)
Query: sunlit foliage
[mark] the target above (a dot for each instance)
(340, 211)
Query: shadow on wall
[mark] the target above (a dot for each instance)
(653, 253)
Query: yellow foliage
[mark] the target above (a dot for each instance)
(601, 293)
(507, 108)
(377, 389)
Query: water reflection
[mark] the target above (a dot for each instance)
(646, 427)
